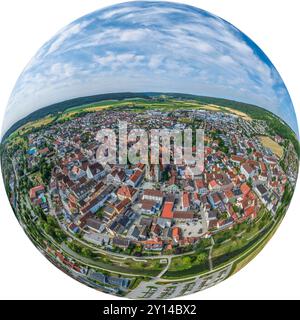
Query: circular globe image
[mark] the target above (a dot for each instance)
(150, 150)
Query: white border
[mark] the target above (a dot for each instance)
(26, 25)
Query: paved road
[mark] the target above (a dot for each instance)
(164, 270)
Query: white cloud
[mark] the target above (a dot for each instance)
(163, 47)
(155, 61)
(66, 34)
(117, 62)
(133, 34)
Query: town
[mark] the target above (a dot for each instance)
(147, 210)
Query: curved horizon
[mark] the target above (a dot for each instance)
(5, 133)
(149, 47)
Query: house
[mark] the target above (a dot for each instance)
(149, 206)
(200, 187)
(121, 242)
(237, 159)
(109, 212)
(95, 171)
(82, 221)
(73, 228)
(67, 262)
(116, 176)
(153, 245)
(167, 211)
(176, 234)
(154, 195)
(134, 233)
(35, 192)
(263, 177)
(96, 203)
(143, 233)
(82, 190)
(257, 155)
(213, 224)
(136, 178)
(214, 200)
(213, 185)
(43, 151)
(247, 170)
(76, 173)
(250, 212)
(121, 283)
(245, 189)
(122, 205)
(229, 196)
(261, 190)
(183, 215)
(146, 222)
(93, 224)
(196, 199)
(127, 192)
(72, 203)
(185, 201)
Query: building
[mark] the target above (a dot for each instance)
(127, 192)
(247, 170)
(154, 195)
(95, 171)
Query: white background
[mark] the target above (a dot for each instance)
(26, 25)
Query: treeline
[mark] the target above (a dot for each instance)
(255, 112)
(62, 106)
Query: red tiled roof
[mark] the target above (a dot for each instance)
(167, 210)
(237, 158)
(183, 215)
(185, 200)
(135, 176)
(213, 184)
(250, 211)
(245, 188)
(119, 207)
(126, 191)
(229, 194)
(153, 193)
(199, 183)
(34, 190)
(247, 168)
(175, 232)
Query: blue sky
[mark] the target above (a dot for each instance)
(149, 46)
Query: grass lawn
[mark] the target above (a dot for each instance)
(36, 124)
(238, 241)
(243, 262)
(107, 264)
(188, 265)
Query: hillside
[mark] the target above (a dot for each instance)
(275, 124)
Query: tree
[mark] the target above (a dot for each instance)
(187, 262)
(59, 235)
(100, 213)
(201, 258)
(86, 252)
(234, 238)
(51, 221)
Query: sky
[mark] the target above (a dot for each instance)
(149, 47)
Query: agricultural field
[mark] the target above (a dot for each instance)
(186, 250)
(273, 145)
(36, 124)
